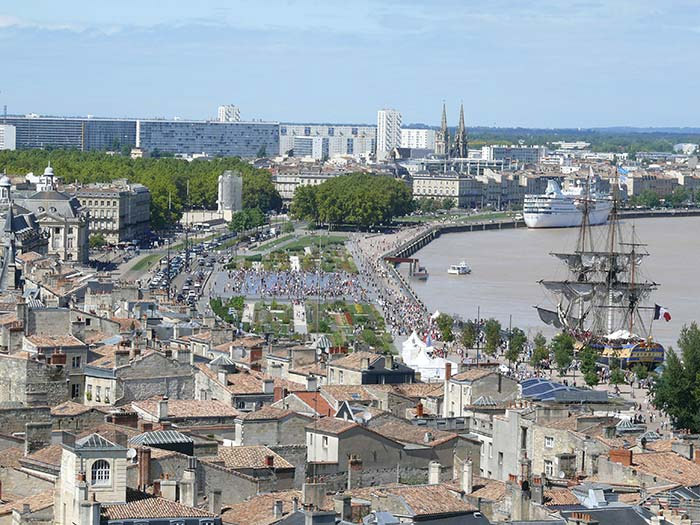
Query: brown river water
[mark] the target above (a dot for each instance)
(506, 265)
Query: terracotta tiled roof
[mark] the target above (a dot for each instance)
(253, 456)
(332, 425)
(50, 455)
(419, 390)
(70, 408)
(40, 501)
(10, 457)
(125, 323)
(142, 506)
(186, 408)
(669, 466)
(242, 342)
(556, 497)
(110, 432)
(488, 489)
(316, 369)
(266, 412)
(41, 341)
(474, 373)
(29, 256)
(353, 361)
(661, 445)
(340, 393)
(259, 509)
(407, 433)
(317, 402)
(428, 500)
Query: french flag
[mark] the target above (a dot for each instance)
(660, 311)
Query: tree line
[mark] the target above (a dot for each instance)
(358, 199)
(166, 178)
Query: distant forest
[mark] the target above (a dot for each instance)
(615, 140)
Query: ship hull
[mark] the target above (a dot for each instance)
(567, 218)
(647, 353)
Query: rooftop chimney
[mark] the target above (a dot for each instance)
(343, 506)
(277, 509)
(277, 394)
(434, 473)
(622, 456)
(311, 383)
(215, 501)
(268, 386)
(364, 363)
(162, 409)
(388, 361)
(448, 371)
(468, 476)
(419, 410)
(270, 461)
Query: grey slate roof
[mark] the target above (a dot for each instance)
(161, 437)
(95, 442)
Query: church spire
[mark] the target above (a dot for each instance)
(442, 141)
(461, 147)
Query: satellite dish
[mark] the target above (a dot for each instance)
(131, 453)
(562, 474)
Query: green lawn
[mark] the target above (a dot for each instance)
(314, 240)
(275, 242)
(146, 263)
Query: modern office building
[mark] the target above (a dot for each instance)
(317, 148)
(388, 132)
(418, 138)
(222, 139)
(515, 154)
(7, 137)
(84, 134)
(118, 210)
(342, 139)
(243, 139)
(229, 113)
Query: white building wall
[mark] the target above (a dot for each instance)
(229, 113)
(388, 132)
(8, 137)
(418, 138)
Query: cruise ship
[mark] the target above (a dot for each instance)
(563, 209)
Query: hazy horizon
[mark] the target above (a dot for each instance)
(541, 65)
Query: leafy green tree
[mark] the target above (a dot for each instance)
(448, 203)
(359, 199)
(304, 205)
(166, 178)
(469, 334)
(640, 371)
(676, 390)
(589, 357)
(563, 349)
(288, 227)
(516, 344)
(246, 220)
(616, 376)
(97, 241)
(540, 352)
(678, 197)
(492, 331)
(445, 323)
(539, 355)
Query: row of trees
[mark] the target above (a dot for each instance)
(166, 178)
(427, 205)
(359, 199)
(675, 199)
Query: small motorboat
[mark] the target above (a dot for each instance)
(421, 273)
(459, 269)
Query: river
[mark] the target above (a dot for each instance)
(506, 265)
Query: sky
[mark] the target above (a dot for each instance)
(529, 63)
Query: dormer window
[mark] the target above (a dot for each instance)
(100, 473)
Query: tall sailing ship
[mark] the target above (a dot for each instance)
(602, 301)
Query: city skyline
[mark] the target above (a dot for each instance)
(544, 65)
